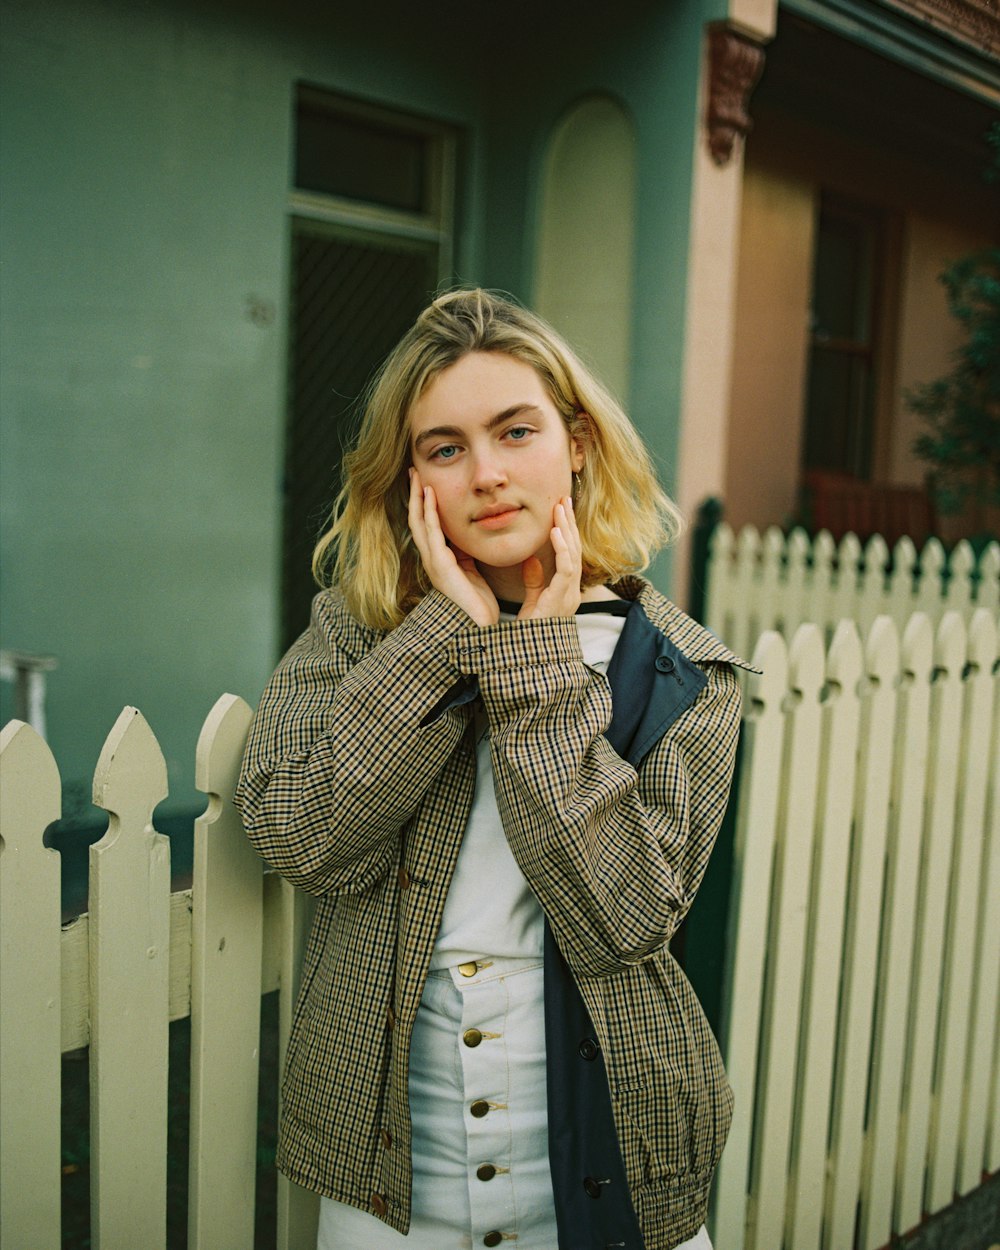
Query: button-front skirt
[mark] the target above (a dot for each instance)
(478, 1105)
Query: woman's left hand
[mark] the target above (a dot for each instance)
(561, 597)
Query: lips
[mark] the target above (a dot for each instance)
(496, 518)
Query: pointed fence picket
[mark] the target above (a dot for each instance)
(226, 956)
(891, 1025)
(746, 937)
(786, 942)
(963, 922)
(982, 756)
(946, 706)
(827, 908)
(770, 581)
(986, 1061)
(861, 993)
(129, 936)
(860, 952)
(843, 572)
(30, 991)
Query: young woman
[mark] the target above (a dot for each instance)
(500, 760)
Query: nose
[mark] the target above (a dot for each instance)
(488, 473)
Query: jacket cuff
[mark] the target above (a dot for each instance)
(432, 627)
(515, 644)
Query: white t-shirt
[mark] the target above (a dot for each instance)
(490, 909)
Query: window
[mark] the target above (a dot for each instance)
(843, 355)
(371, 240)
(358, 157)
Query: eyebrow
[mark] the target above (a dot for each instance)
(452, 431)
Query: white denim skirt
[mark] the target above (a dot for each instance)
(478, 1106)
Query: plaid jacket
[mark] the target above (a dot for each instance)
(357, 784)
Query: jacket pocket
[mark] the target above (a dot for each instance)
(672, 1098)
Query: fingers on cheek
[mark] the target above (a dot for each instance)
(431, 508)
(416, 504)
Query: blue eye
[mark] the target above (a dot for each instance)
(518, 433)
(447, 452)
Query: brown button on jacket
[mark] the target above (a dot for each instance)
(359, 774)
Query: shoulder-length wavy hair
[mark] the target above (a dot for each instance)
(623, 514)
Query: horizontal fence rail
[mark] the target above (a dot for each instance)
(757, 582)
(860, 1009)
(860, 1005)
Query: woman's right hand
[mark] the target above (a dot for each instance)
(451, 571)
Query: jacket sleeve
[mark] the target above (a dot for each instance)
(615, 856)
(338, 758)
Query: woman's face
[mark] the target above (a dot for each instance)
(487, 437)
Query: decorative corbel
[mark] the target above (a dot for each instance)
(734, 65)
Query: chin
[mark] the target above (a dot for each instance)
(504, 550)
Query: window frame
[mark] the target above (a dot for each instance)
(880, 344)
(436, 224)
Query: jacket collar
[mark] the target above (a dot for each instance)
(697, 643)
(654, 673)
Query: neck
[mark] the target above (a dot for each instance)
(507, 584)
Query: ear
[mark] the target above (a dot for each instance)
(579, 441)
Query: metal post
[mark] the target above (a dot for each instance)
(27, 671)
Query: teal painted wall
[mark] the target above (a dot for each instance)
(650, 62)
(143, 205)
(146, 151)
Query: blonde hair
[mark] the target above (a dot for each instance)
(623, 514)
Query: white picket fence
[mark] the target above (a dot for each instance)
(863, 952)
(860, 1008)
(114, 978)
(766, 581)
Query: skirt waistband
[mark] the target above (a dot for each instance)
(488, 968)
